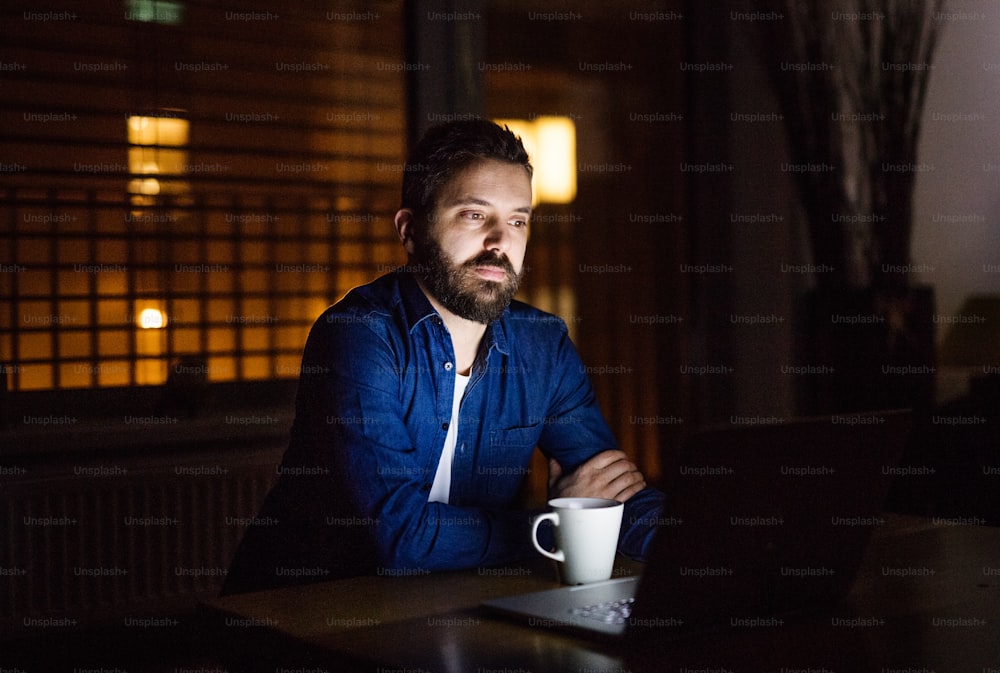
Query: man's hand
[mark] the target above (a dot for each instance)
(609, 474)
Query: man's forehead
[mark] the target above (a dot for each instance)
(487, 182)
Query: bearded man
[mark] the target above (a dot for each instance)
(424, 394)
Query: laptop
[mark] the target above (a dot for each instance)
(760, 521)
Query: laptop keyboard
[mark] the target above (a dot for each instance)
(612, 612)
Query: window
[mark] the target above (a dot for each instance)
(157, 152)
(231, 167)
(155, 11)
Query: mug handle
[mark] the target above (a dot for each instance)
(554, 518)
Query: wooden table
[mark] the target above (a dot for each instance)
(927, 599)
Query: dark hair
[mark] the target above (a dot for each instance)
(447, 149)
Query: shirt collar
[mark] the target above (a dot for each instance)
(417, 308)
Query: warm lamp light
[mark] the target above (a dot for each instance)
(148, 155)
(150, 343)
(152, 318)
(551, 145)
(157, 131)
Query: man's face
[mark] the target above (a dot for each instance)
(471, 251)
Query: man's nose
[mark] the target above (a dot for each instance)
(498, 237)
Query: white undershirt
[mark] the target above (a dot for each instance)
(441, 488)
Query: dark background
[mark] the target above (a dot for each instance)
(124, 500)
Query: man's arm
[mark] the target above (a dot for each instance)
(584, 459)
(609, 474)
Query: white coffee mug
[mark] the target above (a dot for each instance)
(586, 535)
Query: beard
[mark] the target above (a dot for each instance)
(459, 288)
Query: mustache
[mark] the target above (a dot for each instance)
(491, 259)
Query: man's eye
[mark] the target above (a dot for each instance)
(519, 223)
(471, 215)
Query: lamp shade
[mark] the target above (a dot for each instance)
(551, 145)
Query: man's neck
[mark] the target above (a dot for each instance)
(466, 334)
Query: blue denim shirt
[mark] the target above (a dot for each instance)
(373, 406)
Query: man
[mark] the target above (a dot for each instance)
(424, 394)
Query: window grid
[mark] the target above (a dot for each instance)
(217, 310)
(284, 202)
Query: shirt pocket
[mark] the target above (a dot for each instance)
(508, 459)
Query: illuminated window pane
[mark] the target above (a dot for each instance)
(255, 338)
(219, 310)
(166, 12)
(218, 223)
(350, 252)
(157, 131)
(221, 340)
(73, 250)
(288, 366)
(221, 369)
(76, 313)
(387, 253)
(150, 316)
(150, 154)
(220, 281)
(186, 282)
(253, 252)
(74, 344)
(186, 340)
(113, 312)
(255, 367)
(111, 250)
(255, 307)
(35, 345)
(150, 371)
(253, 225)
(286, 281)
(73, 220)
(73, 283)
(34, 314)
(290, 337)
(113, 343)
(34, 282)
(187, 252)
(113, 222)
(34, 251)
(220, 252)
(146, 279)
(76, 375)
(317, 254)
(320, 228)
(112, 282)
(36, 377)
(114, 373)
(185, 311)
(255, 279)
(316, 282)
(35, 219)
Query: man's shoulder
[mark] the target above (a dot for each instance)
(366, 305)
(382, 292)
(524, 316)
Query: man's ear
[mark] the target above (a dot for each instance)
(405, 222)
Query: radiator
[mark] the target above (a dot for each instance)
(96, 545)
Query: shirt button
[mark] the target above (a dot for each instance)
(448, 366)
(444, 426)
